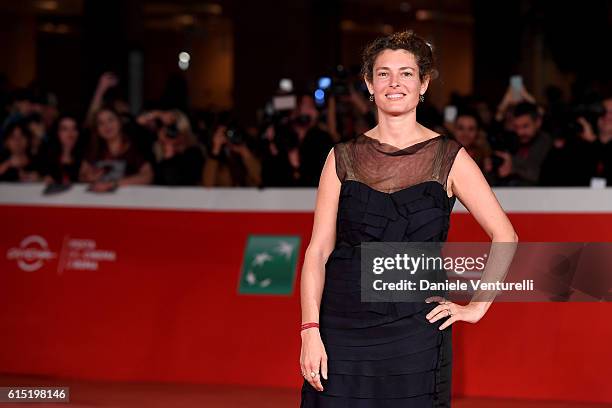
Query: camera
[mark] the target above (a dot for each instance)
(341, 83)
(303, 120)
(234, 135)
(171, 129)
(505, 142)
(568, 126)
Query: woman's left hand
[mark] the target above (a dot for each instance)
(103, 186)
(470, 313)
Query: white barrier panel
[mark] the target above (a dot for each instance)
(512, 199)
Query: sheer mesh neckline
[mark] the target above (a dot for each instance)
(386, 168)
(389, 148)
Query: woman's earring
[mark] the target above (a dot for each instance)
(371, 97)
(421, 98)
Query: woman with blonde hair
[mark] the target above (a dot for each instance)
(180, 157)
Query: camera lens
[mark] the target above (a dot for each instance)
(172, 131)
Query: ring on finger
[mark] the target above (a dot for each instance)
(313, 374)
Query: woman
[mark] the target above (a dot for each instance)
(63, 158)
(230, 161)
(16, 162)
(180, 159)
(112, 159)
(379, 187)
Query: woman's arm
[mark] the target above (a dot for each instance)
(322, 240)
(106, 81)
(466, 181)
(321, 244)
(209, 172)
(4, 166)
(253, 167)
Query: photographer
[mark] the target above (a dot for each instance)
(230, 161)
(592, 152)
(179, 157)
(348, 111)
(296, 151)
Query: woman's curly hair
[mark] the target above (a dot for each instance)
(404, 40)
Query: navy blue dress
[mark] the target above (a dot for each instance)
(384, 354)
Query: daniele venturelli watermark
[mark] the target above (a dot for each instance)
(486, 271)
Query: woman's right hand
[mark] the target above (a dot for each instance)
(313, 357)
(587, 133)
(219, 139)
(107, 80)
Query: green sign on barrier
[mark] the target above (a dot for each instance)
(269, 264)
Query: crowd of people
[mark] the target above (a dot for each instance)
(522, 142)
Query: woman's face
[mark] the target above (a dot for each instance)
(466, 130)
(67, 132)
(109, 126)
(395, 83)
(16, 142)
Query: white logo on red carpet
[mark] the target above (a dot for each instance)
(80, 254)
(32, 253)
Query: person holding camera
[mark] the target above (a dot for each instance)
(296, 150)
(178, 156)
(601, 163)
(313, 143)
(348, 111)
(593, 149)
(230, 161)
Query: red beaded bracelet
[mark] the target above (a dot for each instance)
(309, 325)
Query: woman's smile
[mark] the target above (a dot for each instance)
(395, 95)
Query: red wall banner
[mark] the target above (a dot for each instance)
(151, 294)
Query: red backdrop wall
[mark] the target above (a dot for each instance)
(167, 308)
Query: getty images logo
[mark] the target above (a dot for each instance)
(32, 253)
